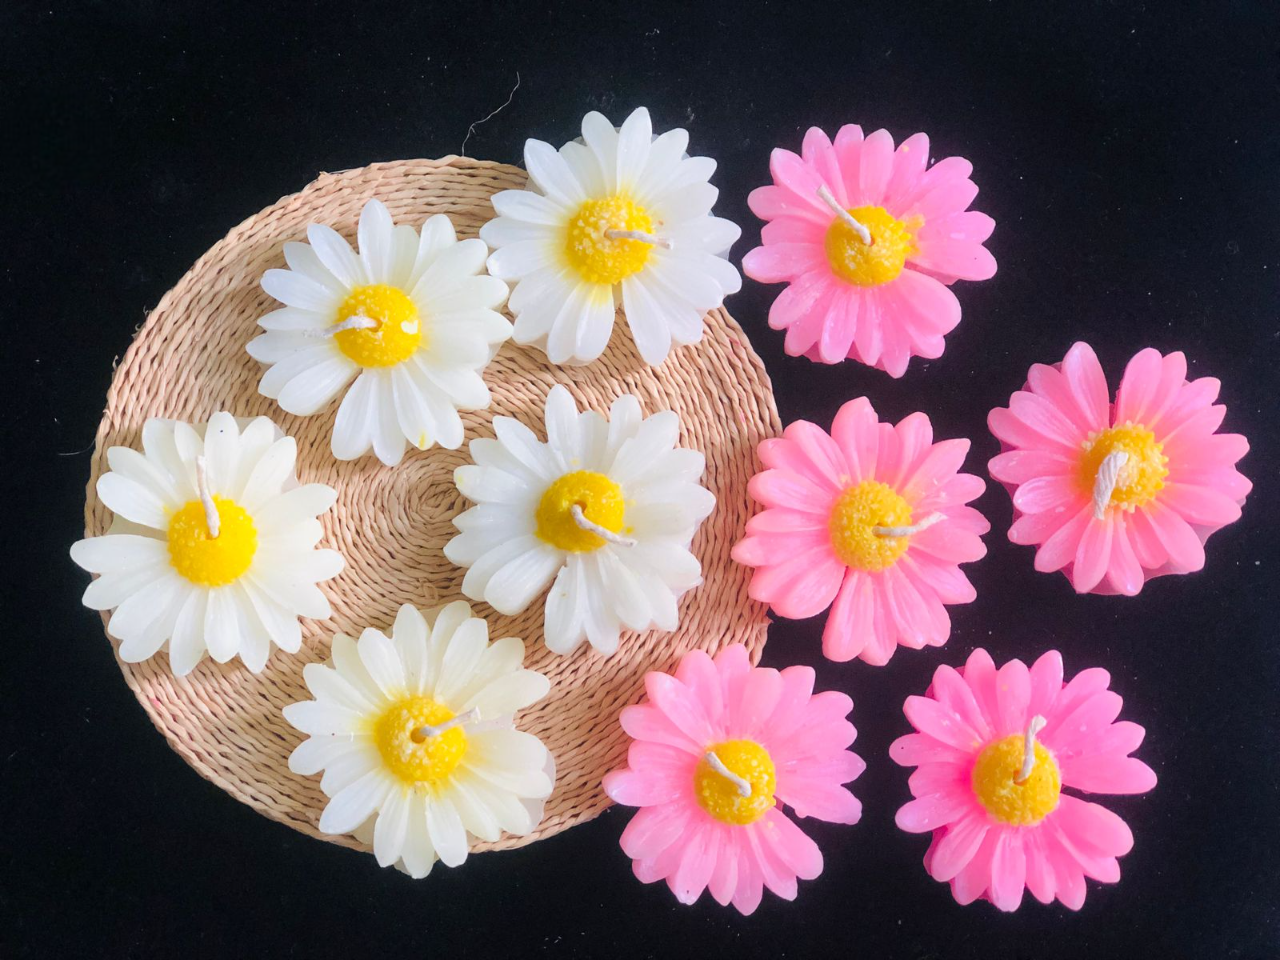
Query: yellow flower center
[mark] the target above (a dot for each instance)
(859, 509)
(877, 262)
(994, 783)
(396, 336)
(1142, 475)
(601, 259)
(212, 561)
(410, 755)
(601, 501)
(720, 796)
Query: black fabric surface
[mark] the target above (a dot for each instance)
(1129, 154)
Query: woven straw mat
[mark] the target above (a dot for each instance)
(391, 523)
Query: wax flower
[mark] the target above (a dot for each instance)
(415, 735)
(620, 218)
(212, 546)
(872, 517)
(606, 509)
(1115, 495)
(868, 241)
(411, 319)
(993, 751)
(718, 748)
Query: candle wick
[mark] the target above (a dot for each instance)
(642, 236)
(1029, 748)
(604, 533)
(716, 764)
(826, 197)
(1104, 483)
(924, 524)
(358, 322)
(427, 730)
(211, 518)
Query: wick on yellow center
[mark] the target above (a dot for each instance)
(396, 331)
(854, 517)
(721, 797)
(600, 500)
(598, 258)
(1142, 475)
(995, 782)
(412, 757)
(875, 263)
(212, 561)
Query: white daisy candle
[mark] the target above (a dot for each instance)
(410, 318)
(606, 510)
(416, 738)
(619, 218)
(212, 546)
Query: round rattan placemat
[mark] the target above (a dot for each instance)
(391, 524)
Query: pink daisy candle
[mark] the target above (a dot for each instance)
(868, 241)
(717, 749)
(871, 517)
(993, 751)
(1113, 495)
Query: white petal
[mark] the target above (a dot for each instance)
(523, 205)
(413, 414)
(285, 510)
(353, 427)
(477, 819)
(476, 582)
(463, 259)
(132, 500)
(509, 693)
(522, 579)
(563, 435)
(509, 759)
(437, 236)
(165, 607)
(295, 290)
(524, 446)
(302, 260)
(633, 148)
(316, 353)
(280, 625)
(119, 553)
(315, 753)
(602, 140)
(551, 174)
(186, 648)
(373, 236)
(134, 465)
(352, 806)
(391, 828)
(292, 319)
(418, 853)
(388, 439)
(445, 829)
(315, 387)
(624, 590)
(490, 485)
(337, 256)
(221, 635)
(269, 475)
(463, 653)
(648, 323)
(346, 660)
(324, 719)
(661, 164)
(564, 622)
(379, 657)
(410, 637)
(582, 326)
(404, 253)
(329, 686)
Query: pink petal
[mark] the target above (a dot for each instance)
(840, 325)
(646, 722)
(1008, 871)
(779, 262)
(1063, 545)
(1108, 773)
(1016, 433)
(784, 487)
(930, 305)
(855, 431)
(917, 748)
(902, 449)
(748, 715)
(954, 692)
(1021, 466)
(750, 888)
(1176, 538)
(772, 202)
(1041, 494)
(1093, 555)
(797, 687)
(1193, 399)
(947, 580)
(874, 170)
(937, 466)
(639, 789)
(1069, 733)
(764, 550)
(1046, 682)
(792, 846)
(868, 339)
(813, 797)
(1084, 373)
(1013, 694)
(801, 586)
(1200, 505)
(800, 298)
(1045, 419)
(697, 671)
(909, 163)
(821, 156)
(790, 229)
(654, 829)
(895, 343)
(1138, 386)
(957, 847)
(791, 173)
(724, 875)
(697, 861)
(778, 877)
(933, 811)
(1092, 827)
(942, 723)
(980, 674)
(802, 337)
(816, 455)
(823, 732)
(954, 258)
(974, 880)
(734, 666)
(678, 703)
(851, 620)
(780, 520)
(948, 543)
(1082, 687)
(1124, 575)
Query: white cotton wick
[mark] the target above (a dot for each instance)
(1029, 746)
(924, 524)
(427, 730)
(612, 234)
(716, 764)
(604, 533)
(826, 197)
(358, 322)
(1104, 484)
(211, 518)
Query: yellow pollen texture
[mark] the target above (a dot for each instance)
(398, 332)
(1142, 476)
(208, 561)
(1017, 804)
(875, 263)
(601, 501)
(859, 509)
(600, 259)
(720, 796)
(412, 757)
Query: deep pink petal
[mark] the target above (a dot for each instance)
(939, 464)
(1179, 542)
(1093, 555)
(1088, 383)
(909, 163)
(1124, 574)
(933, 811)
(1108, 773)
(1013, 695)
(974, 880)
(1039, 869)
(980, 674)
(1008, 871)
(1034, 528)
(941, 722)
(959, 844)
(1092, 827)
(1046, 682)
(851, 620)
(917, 748)
(1068, 734)
(951, 690)
(947, 580)
(1062, 546)
(1138, 386)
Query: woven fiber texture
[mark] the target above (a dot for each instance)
(391, 523)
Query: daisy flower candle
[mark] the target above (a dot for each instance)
(718, 749)
(1113, 495)
(605, 509)
(415, 735)
(869, 520)
(868, 241)
(410, 318)
(620, 218)
(994, 750)
(212, 547)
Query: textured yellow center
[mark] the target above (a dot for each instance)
(398, 332)
(720, 796)
(601, 259)
(1142, 475)
(412, 757)
(208, 561)
(994, 784)
(874, 263)
(601, 501)
(859, 509)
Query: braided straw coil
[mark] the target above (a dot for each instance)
(391, 523)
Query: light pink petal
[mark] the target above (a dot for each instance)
(1200, 505)
(679, 704)
(903, 447)
(941, 722)
(1108, 773)
(750, 889)
(772, 202)
(815, 454)
(875, 167)
(789, 229)
(1093, 555)
(640, 789)
(930, 812)
(1068, 878)
(946, 580)
(697, 671)
(1124, 574)
(802, 336)
(957, 847)
(1082, 686)
(895, 342)
(764, 550)
(1045, 419)
(932, 307)
(1192, 400)
(800, 298)
(654, 829)
(1013, 695)
(969, 226)
(785, 488)
(839, 326)
(1020, 466)
(949, 543)
(917, 748)
(1051, 492)
(909, 163)
(1092, 827)
(1046, 681)
(646, 722)
(662, 865)
(779, 262)
(697, 861)
(797, 687)
(1017, 433)
(943, 190)
(974, 880)
(848, 147)
(724, 875)
(791, 845)
(1033, 528)
(954, 258)
(851, 620)
(954, 692)
(1138, 386)
(1008, 871)
(748, 715)
(818, 152)
(801, 586)
(937, 466)
(823, 799)
(855, 431)
(791, 173)
(1063, 545)
(1178, 540)
(779, 520)
(1069, 733)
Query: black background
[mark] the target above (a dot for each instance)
(1129, 154)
